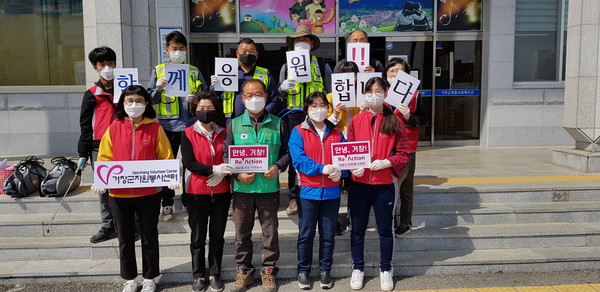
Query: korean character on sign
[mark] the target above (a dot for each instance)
(299, 65)
(124, 80)
(227, 74)
(404, 89)
(177, 79)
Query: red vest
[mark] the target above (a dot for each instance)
(412, 132)
(134, 145)
(319, 152)
(197, 184)
(104, 111)
(382, 146)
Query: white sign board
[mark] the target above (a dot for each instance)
(249, 158)
(298, 65)
(136, 174)
(227, 75)
(162, 34)
(123, 78)
(351, 155)
(402, 89)
(359, 53)
(178, 80)
(343, 89)
(361, 81)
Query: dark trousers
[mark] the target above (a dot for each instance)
(294, 119)
(200, 208)
(313, 213)
(361, 198)
(105, 213)
(147, 209)
(406, 191)
(167, 194)
(244, 206)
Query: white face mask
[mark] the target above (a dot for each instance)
(255, 104)
(374, 99)
(316, 2)
(390, 80)
(318, 115)
(301, 46)
(177, 57)
(134, 110)
(107, 73)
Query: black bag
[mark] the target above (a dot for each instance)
(26, 179)
(62, 178)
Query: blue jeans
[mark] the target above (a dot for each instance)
(310, 214)
(361, 198)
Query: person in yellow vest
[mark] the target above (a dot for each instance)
(173, 112)
(247, 54)
(293, 93)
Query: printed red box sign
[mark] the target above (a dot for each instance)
(249, 158)
(351, 155)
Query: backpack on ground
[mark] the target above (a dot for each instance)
(27, 177)
(62, 178)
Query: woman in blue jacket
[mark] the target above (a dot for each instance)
(319, 202)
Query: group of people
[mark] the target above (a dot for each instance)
(207, 122)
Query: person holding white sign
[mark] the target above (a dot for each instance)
(206, 193)
(319, 199)
(97, 113)
(359, 36)
(293, 93)
(374, 186)
(412, 116)
(174, 112)
(136, 136)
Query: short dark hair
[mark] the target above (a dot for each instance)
(347, 67)
(264, 87)
(131, 90)
(310, 99)
(347, 34)
(176, 37)
(247, 41)
(395, 61)
(206, 94)
(102, 54)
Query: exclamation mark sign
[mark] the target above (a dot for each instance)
(362, 56)
(353, 53)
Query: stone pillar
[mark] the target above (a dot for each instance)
(582, 90)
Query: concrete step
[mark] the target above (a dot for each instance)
(177, 269)
(423, 238)
(466, 195)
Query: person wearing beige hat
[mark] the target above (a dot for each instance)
(293, 93)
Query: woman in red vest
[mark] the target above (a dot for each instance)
(374, 186)
(136, 136)
(207, 191)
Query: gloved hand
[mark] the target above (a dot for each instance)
(358, 172)
(329, 169)
(223, 168)
(98, 191)
(287, 85)
(336, 175)
(213, 80)
(215, 179)
(174, 186)
(380, 164)
(405, 111)
(191, 98)
(161, 83)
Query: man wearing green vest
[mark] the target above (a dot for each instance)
(293, 93)
(257, 192)
(247, 55)
(173, 112)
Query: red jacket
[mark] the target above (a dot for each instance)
(411, 131)
(104, 112)
(197, 183)
(320, 152)
(366, 127)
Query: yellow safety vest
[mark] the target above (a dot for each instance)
(260, 73)
(168, 107)
(300, 91)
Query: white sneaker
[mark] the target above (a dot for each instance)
(149, 286)
(130, 286)
(387, 280)
(356, 282)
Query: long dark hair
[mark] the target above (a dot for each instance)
(389, 124)
(132, 90)
(205, 94)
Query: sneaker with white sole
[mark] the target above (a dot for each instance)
(167, 212)
(356, 282)
(387, 281)
(130, 286)
(149, 286)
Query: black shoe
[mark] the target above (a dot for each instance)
(338, 229)
(198, 285)
(103, 235)
(137, 236)
(303, 281)
(216, 284)
(402, 230)
(326, 281)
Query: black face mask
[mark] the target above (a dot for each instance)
(206, 116)
(247, 59)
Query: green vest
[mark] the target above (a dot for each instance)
(168, 107)
(268, 134)
(260, 73)
(302, 90)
